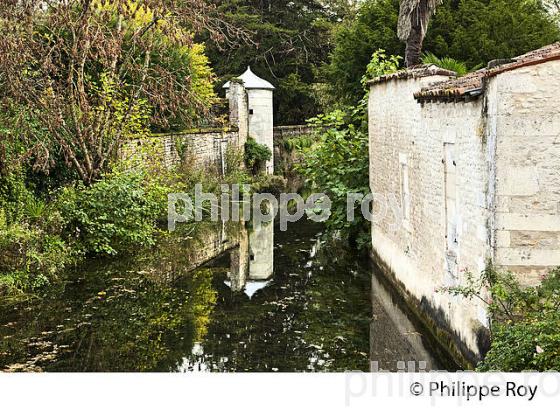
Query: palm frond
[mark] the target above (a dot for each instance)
(446, 63)
(417, 12)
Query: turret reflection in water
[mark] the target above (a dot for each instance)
(252, 264)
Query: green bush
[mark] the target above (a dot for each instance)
(119, 212)
(336, 165)
(256, 155)
(14, 196)
(526, 334)
(380, 64)
(272, 184)
(30, 258)
(525, 321)
(235, 171)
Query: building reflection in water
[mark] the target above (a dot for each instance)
(395, 343)
(252, 263)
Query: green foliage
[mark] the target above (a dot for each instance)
(380, 65)
(256, 155)
(14, 196)
(25, 161)
(30, 258)
(93, 74)
(235, 169)
(295, 99)
(446, 63)
(336, 165)
(289, 41)
(133, 119)
(185, 61)
(477, 31)
(525, 321)
(113, 215)
(298, 143)
(273, 184)
(31, 250)
(355, 41)
(191, 66)
(190, 175)
(472, 31)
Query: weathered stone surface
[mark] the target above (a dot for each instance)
(542, 240)
(261, 120)
(205, 150)
(499, 201)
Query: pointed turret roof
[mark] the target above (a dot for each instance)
(252, 82)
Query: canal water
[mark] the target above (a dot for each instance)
(266, 301)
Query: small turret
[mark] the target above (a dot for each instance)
(261, 116)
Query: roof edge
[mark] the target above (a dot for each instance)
(473, 85)
(415, 72)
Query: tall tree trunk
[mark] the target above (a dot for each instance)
(414, 17)
(414, 47)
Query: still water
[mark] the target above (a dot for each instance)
(266, 301)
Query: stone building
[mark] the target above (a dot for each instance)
(261, 113)
(475, 162)
(250, 103)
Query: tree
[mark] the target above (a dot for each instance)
(290, 40)
(355, 41)
(80, 76)
(471, 31)
(414, 17)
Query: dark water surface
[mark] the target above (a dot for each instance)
(272, 301)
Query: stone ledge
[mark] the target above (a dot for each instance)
(194, 131)
(416, 72)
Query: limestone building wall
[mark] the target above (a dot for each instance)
(426, 156)
(527, 117)
(475, 166)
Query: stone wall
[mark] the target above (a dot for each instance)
(475, 165)
(410, 145)
(201, 147)
(527, 118)
(205, 148)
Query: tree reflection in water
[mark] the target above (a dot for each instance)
(273, 301)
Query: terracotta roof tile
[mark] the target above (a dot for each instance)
(473, 84)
